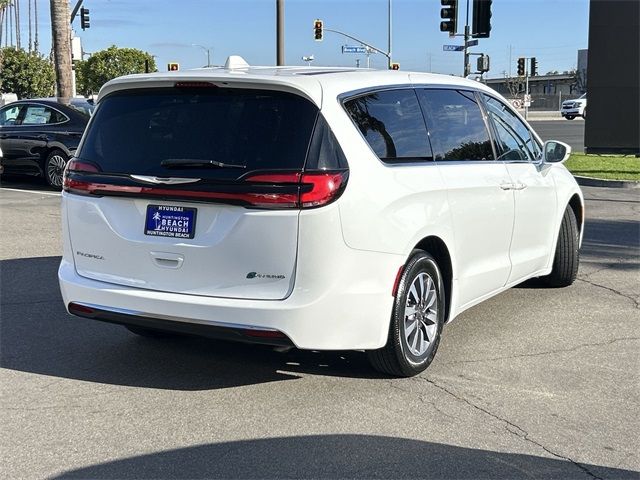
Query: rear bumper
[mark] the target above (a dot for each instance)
(238, 333)
(342, 298)
(574, 112)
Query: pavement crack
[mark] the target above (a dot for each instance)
(617, 292)
(510, 427)
(548, 352)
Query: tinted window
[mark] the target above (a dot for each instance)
(456, 127)
(325, 152)
(134, 131)
(41, 115)
(515, 141)
(392, 124)
(9, 115)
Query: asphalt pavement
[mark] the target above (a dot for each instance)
(533, 383)
(568, 131)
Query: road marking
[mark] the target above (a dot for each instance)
(56, 194)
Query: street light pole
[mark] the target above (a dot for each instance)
(208, 50)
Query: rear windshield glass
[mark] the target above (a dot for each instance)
(176, 132)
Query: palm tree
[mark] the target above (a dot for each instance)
(61, 47)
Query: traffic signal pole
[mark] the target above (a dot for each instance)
(279, 32)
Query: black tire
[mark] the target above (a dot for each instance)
(150, 333)
(396, 357)
(584, 114)
(567, 256)
(54, 167)
(569, 117)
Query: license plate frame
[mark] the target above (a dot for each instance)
(172, 221)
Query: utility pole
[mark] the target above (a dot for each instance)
(279, 32)
(467, 36)
(389, 57)
(61, 33)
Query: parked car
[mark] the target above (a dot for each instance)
(37, 137)
(317, 208)
(574, 108)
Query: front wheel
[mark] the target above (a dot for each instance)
(569, 117)
(416, 321)
(54, 168)
(567, 256)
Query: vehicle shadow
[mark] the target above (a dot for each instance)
(37, 335)
(341, 456)
(611, 244)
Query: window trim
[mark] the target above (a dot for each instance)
(26, 106)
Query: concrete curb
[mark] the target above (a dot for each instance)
(599, 182)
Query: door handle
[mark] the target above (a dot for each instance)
(506, 186)
(519, 186)
(42, 137)
(4, 136)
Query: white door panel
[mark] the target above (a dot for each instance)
(482, 215)
(535, 214)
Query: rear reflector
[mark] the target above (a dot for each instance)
(77, 309)
(396, 282)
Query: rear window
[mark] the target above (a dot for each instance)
(133, 132)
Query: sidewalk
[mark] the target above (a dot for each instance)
(542, 115)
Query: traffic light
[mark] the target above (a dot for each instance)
(534, 67)
(483, 63)
(521, 66)
(481, 24)
(173, 67)
(395, 66)
(449, 14)
(317, 30)
(85, 21)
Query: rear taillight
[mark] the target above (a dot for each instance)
(316, 188)
(280, 190)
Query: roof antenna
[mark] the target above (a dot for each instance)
(235, 61)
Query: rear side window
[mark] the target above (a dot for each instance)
(392, 123)
(133, 132)
(325, 152)
(41, 115)
(456, 126)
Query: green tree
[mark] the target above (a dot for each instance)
(28, 75)
(108, 64)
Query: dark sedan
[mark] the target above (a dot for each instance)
(37, 137)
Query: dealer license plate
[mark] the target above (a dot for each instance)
(170, 221)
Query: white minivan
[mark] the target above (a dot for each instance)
(316, 208)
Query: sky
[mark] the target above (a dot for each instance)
(550, 30)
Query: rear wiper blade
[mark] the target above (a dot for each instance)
(196, 163)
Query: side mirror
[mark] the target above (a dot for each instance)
(555, 151)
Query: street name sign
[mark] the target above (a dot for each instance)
(353, 49)
(472, 43)
(453, 48)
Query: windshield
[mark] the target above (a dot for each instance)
(172, 132)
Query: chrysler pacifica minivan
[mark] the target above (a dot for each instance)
(316, 208)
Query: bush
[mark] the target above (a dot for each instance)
(28, 75)
(108, 64)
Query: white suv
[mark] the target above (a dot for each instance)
(574, 108)
(324, 209)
